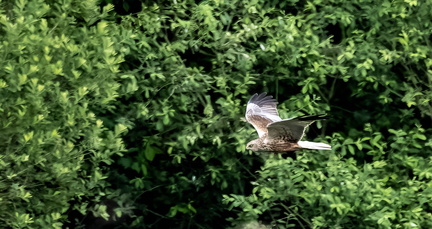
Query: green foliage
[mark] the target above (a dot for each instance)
(55, 73)
(327, 190)
(182, 123)
(165, 83)
(380, 75)
(192, 68)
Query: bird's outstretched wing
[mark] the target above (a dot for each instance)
(291, 130)
(261, 111)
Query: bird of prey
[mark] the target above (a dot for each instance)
(276, 134)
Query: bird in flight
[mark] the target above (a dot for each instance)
(276, 134)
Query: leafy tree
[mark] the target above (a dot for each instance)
(59, 67)
(135, 115)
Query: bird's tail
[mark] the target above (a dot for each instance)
(314, 145)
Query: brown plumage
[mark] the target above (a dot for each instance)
(275, 134)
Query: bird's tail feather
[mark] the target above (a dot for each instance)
(314, 145)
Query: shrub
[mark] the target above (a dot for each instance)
(364, 64)
(177, 76)
(59, 67)
(376, 77)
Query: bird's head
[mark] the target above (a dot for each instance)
(254, 145)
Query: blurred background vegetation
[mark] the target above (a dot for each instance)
(129, 114)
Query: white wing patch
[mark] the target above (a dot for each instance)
(261, 111)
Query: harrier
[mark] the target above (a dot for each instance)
(275, 134)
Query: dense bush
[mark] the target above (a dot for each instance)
(159, 88)
(56, 72)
